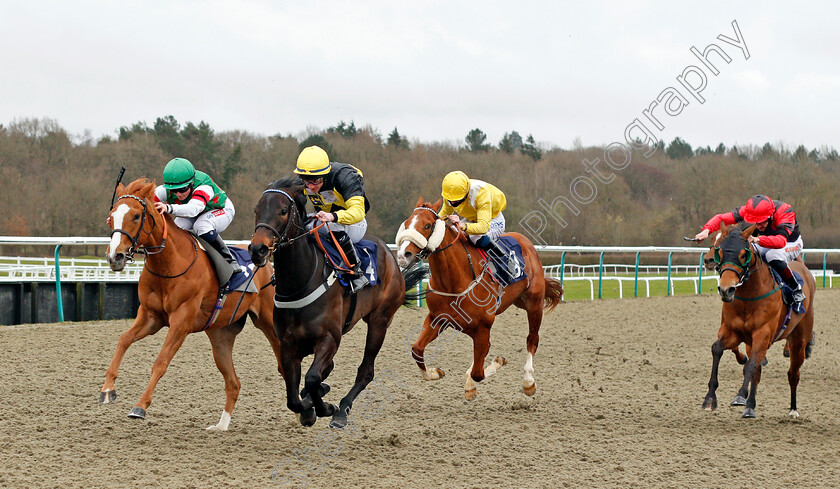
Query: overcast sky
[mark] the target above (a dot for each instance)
(433, 69)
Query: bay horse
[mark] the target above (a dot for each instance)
(178, 288)
(756, 316)
(313, 310)
(463, 296)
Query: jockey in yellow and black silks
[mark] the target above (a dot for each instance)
(476, 206)
(337, 191)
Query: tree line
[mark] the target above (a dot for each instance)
(56, 184)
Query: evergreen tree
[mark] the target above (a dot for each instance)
(397, 141)
(320, 141)
(510, 142)
(529, 148)
(679, 150)
(475, 141)
(345, 130)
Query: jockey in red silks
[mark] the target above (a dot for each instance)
(776, 235)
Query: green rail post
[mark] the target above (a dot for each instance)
(600, 273)
(668, 285)
(58, 286)
(825, 264)
(562, 265)
(636, 281)
(700, 275)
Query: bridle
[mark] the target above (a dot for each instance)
(425, 252)
(135, 246)
(280, 238)
(744, 269)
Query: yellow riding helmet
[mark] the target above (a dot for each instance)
(456, 186)
(313, 161)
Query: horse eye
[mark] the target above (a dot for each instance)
(136, 217)
(284, 212)
(428, 226)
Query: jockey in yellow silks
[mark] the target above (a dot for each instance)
(476, 206)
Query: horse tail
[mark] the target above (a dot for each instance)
(553, 293)
(414, 276)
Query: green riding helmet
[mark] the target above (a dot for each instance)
(178, 173)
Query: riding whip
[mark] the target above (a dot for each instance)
(119, 179)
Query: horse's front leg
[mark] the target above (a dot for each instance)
(477, 372)
(291, 376)
(427, 335)
(145, 324)
(710, 402)
(181, 324)
(752, 370)
(321, 366)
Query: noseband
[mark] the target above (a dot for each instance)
(135, 247)
(742, 270)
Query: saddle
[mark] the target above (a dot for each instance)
(241, 282)
(366, 251)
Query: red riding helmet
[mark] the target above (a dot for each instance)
(758, 209)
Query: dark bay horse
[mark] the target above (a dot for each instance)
(178, 288)
(754, 313)
(464, 297)
(315, 310)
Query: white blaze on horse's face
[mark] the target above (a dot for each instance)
(117, 220)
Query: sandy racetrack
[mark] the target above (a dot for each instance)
(620, 384)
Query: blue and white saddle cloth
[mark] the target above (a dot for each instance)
(365, 250)
(513, 249)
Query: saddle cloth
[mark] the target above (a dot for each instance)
(513, 249)
(365, 251)
(224, 272)
(787, 292)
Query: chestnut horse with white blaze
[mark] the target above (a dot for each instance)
(178, 288)
(754, 313)
(462, 295)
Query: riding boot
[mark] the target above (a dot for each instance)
(495, 249)
(359, 279)
(215, 240)
(784, 271)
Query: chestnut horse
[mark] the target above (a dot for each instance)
(315, 310)
(756, 316)
(178, 288)
(463, 296)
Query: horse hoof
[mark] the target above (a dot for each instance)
(748, 413)
(793, 414)
(323, 390)
(339, 420)
(107, 397)
(530, 390)
(331, 409)
(710, 404)
(739, 401)
(308, 417)
(470, 394)
(500, 360)
(786, 353)
(137, 412)
(764, 362)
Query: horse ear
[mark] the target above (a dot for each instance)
(120, 189)
(419, 203)
(748, 232)
(436, 205)
(148, 190)
(724, 230)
